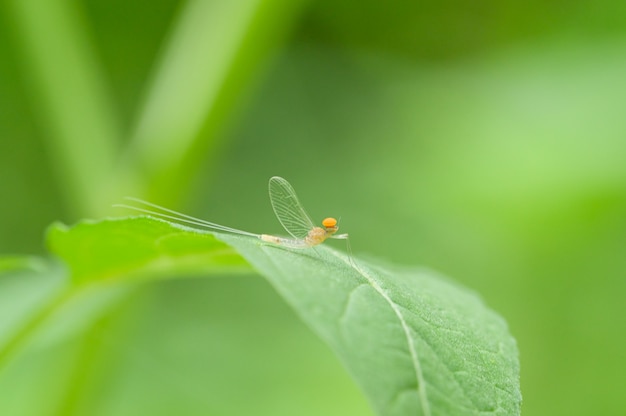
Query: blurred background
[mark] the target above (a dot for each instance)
(486, 141)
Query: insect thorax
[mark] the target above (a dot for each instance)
(316, 236)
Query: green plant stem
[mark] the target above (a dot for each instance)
(70, 94)
(213, 53)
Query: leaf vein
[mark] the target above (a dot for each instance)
(421, 383)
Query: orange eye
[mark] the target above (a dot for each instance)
(329, 222)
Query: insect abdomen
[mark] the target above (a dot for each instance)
(286, 242)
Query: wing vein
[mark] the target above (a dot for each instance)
(288, 209)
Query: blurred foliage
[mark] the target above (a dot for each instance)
(483, 140)
(436, 30)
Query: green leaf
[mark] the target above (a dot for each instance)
(97, 250)
(417, 343)
(39, 304)
(105, 259)
(40, 311)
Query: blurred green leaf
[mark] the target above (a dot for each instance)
(47, 317)
(25, 284)
(415, 342)
(40, 316)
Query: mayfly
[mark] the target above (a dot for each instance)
(288, 209)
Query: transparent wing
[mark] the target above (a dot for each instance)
(288, 209)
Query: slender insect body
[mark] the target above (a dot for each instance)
(316, 236)
(287, 208)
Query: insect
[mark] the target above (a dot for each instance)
(287, 207)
